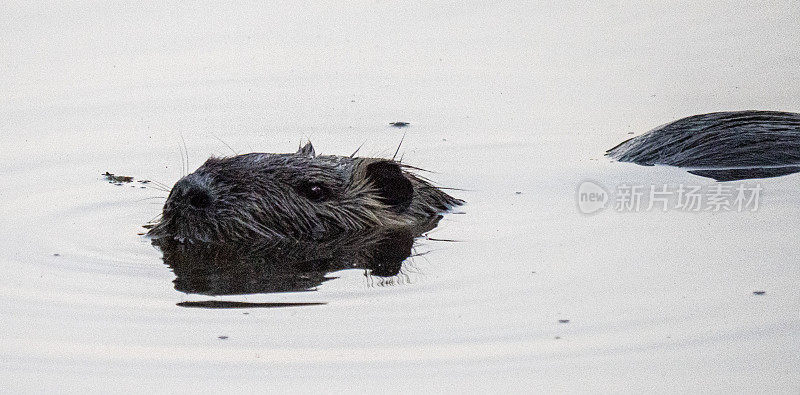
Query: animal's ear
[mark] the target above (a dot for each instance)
(307, 150)
(393, 187)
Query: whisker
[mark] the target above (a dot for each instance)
(155, 218)
(149, 184)
(155, 188)
(150, 198)
(448, 189)
(183, 164)
(186, 152)
(161, 184)
(419, 169)
(445, 240)
(357, 149)
(398, 146)
(223, 142)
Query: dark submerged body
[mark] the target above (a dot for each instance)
(724, 145)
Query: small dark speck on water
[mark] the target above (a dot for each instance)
(399, 124)
(246, 313)
(222, 337)
(563, 321)
(518, 193)
(117, 179)
(56, 254)
(759, 292)
(558, 337)
(630, 132)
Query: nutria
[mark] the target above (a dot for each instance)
(287, 265)
(722, 145)
(302, 195)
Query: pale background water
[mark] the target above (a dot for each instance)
(502, 98)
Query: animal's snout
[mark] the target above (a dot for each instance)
(192, 192)
(198, 197)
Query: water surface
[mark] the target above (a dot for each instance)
(515, 103)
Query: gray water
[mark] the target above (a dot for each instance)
(514, 103)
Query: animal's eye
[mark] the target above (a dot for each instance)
(314, 192)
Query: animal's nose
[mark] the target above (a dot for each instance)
(198, 197)
(191, 191)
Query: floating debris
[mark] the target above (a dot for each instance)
(759, 292)
(222, 337)
(116, 179)
(563, 321)
(399, 124)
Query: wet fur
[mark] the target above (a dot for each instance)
(260, 196)
(722, 145)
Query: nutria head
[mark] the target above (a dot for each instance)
(301, 195)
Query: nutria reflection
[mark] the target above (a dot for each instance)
(285, 265)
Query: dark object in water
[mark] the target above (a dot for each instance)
(759, 292)
(724, 146)
(116, 179)
(399, 124)
(283, 265)
(259, 196)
